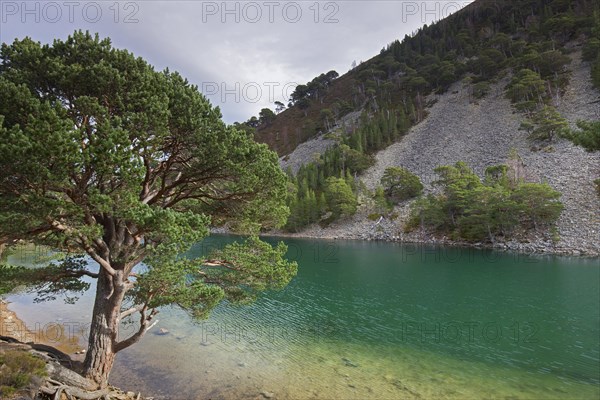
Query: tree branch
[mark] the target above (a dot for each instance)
(220, 263)
(87, 247)
(86, 273)
(144, 327)
(132, 310)
(103, 263)
(34, 231)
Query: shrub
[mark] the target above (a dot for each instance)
(382, 205)
(549, 124)
(588, 135)
(374, 216)
(481, 89)
(340, 198)
(355, 160)
(400, 184)
(591, 50)
(526, 87)
(596, 73)
(18, 369)
(474, 210)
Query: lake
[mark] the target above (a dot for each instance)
(375, 320)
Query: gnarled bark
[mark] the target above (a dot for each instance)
(104, 329)
(104, 342)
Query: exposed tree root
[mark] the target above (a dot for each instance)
(56, 388)
(61, 381)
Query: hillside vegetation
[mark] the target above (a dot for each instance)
(478, 43)
(522, 50)
(526, 45)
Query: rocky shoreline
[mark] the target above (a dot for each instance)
(540, 247)
(539, 244)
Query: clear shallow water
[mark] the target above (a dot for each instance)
(377, 320)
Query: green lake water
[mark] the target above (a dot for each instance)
(366, 320)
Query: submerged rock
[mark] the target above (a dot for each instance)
(349, 363)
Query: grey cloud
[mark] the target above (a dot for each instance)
(183, 36)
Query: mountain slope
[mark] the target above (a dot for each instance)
(483, 133)
(482, 40)
(490, 81)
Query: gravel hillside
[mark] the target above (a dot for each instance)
(482, 133)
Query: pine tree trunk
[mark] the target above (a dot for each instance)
(104, 328)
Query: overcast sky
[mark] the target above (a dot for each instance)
(243, 55)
